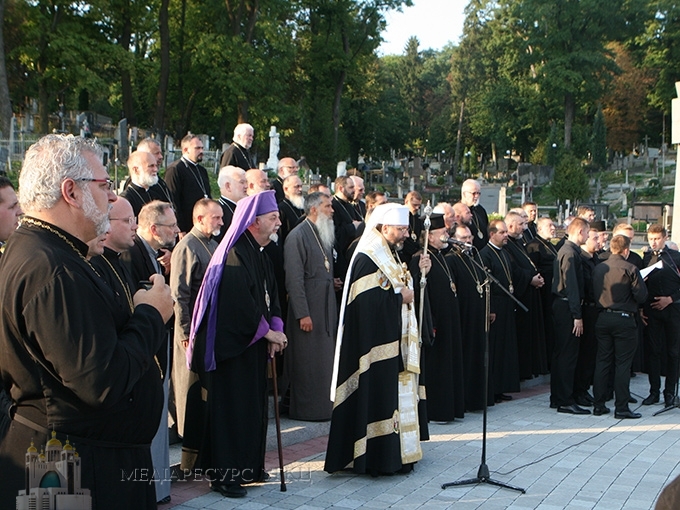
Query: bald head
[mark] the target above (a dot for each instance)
(286, 167)
(123, 226)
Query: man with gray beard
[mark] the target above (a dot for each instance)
(145, 185)
(62, 335)
(291, 208)
(312, 319)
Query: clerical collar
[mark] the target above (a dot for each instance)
(133, 183)
(494, 246)
(189, 161)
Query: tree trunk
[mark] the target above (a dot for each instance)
(5, 103)
(243, 111)
(459, 136)
(569, 111)
(125, 75)
(161, 97)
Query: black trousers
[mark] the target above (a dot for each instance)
(617, 340)
(587, 352)
(565, 356)
(664, 326)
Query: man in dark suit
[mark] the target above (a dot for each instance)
(188, 181)
(662, 312)
(238, 153)
(233, 187)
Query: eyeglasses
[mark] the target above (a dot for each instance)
(109, 182)
(131, 220)
(171, 225)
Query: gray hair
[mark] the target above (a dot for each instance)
(314, 200)
(152, 213)
(48, 162)
(229, 174)
(241, 129)
(146, 144)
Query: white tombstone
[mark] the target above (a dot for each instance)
(341, 169)
(274, 147)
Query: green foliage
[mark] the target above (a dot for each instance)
(571, 181)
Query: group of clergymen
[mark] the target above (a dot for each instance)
(332, 279)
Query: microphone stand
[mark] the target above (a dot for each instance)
(483, 475)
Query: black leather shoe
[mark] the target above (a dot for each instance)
(653, 398)
(505, 397)
(600, 410)
(668, 399)
(230, 491)
(581, 400)
(553, 405)
(632, 400)
(627, 415)
(572, 409)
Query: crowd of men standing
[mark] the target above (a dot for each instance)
(88, 346)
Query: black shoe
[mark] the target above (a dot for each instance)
(230, 491)
(572, 409)
(164, 501)
(600, 410)
(627, 415)
(581, 400)
(653, 398)
(505, 397)
(632, 400)
(553, 405)
(668, 399)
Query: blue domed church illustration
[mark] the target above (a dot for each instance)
(53, 479)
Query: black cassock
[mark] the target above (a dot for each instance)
(530, 330)
(472, 306)
(503, 357)
(236, 422)
(543, 253)
(443, 354)
(79, 364)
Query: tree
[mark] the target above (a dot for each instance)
(571, 181)
(599, 141)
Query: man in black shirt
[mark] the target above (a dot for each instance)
(662, 312)
(188, 181)
(619, 291)
(568, 289)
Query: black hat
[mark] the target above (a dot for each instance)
(436, 221)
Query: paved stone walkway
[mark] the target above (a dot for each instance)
(563, 461)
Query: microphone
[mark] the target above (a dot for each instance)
(455, 242)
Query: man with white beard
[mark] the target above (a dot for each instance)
(145, 185)
(291, 208)
(312, 319)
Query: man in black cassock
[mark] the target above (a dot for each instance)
(413, 201)
(528, 282)
(233, 187)
(292, 207)
(542, 252)
(63, 336)
(144, 185)
(348, 223)
(188, 181)
(376, 427)
(236, 326)
(238, 152)
(470, 192)
(442, 344)
(531, 210)
(503, 357)
(472, 305)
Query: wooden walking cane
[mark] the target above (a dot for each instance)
(277, 418)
